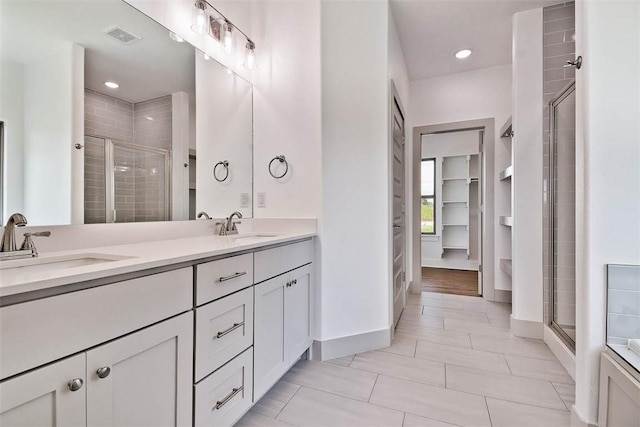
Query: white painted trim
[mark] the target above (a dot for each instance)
(345, 346)
(577, 420)
(502, 296)
(561, 351)
(527, 328)
(613, 372)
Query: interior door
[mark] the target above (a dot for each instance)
(399, 287)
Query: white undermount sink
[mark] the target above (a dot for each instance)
(54, 263)
(254, 237)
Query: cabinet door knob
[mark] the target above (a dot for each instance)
(103, 372)
(75, 384)
(295, 281)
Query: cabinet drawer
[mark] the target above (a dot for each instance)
(219, 278)
(224, 396)
(272, 262)
(37, 332)
(223, 329)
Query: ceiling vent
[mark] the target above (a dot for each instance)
(121, 35)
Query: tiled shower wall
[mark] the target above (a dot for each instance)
(139, 177)
(559, 47)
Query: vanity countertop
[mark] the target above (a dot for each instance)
(137, 257)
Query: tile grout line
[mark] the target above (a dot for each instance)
(404, 415)
(288, 401)
(561, 399)
(374, 386)
(507, 362)
(488, 412)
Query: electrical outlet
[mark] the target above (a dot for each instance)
(262, 200)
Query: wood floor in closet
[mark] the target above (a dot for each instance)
(447, 281)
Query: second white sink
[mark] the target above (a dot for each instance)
(55, 263)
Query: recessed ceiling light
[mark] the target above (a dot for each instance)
(112, 85)
(464, 53)
(176, 38)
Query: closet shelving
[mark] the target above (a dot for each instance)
(459, 177)
(506, 221)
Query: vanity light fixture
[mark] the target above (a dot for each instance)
(250, 55)
(200, 18)
(227, 38)
(176, 38)
(112, 85)
(462, 54)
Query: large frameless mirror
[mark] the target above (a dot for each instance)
(109, 117)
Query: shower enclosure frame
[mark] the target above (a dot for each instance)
(555, 327)
(109, 145)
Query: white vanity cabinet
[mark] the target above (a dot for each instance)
(43, 398)
(282, 314)
(143, 378)
(140, 379)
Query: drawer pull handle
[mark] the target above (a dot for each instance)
(233, 276)
(231, 329)
(221, 403)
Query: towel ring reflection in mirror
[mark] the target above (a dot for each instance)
(225, 165)
(282, 159)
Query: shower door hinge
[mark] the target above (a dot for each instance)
(404, 276)
(480, 268)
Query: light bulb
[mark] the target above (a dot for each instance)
(227, 41)
(250, 55)
(200, 20)
(206, 57)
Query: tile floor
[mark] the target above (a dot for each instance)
(453, 362)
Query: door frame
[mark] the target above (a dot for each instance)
(488, 217)
(394, 99)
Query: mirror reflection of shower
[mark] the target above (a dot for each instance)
(125, 182)
(562, 214)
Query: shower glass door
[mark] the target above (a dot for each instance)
(125, 182)
(563, 214)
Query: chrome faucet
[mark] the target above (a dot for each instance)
(229, 227)
(28, 242)
(8, 243)
(203, 214)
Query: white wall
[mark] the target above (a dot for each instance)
(527, 292)
(471, 95)
(608, 173)
(223, 132)
(287, 104)
(48, 138)
(355, 223)
(12, 114)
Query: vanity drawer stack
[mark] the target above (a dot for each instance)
(223, 379)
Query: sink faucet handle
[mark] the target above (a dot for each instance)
(223, 228)
(233, 225)
(28, 241)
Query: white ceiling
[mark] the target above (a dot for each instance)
(432, 31)
(149, 68)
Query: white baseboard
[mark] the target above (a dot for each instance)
(345, 346)
(527, 328)
(502, 296)
(577, 420)
(561, 351)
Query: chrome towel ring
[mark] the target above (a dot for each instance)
(282, 159)
(225, 165)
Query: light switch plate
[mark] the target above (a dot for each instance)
(244, 200)
(262, 200)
